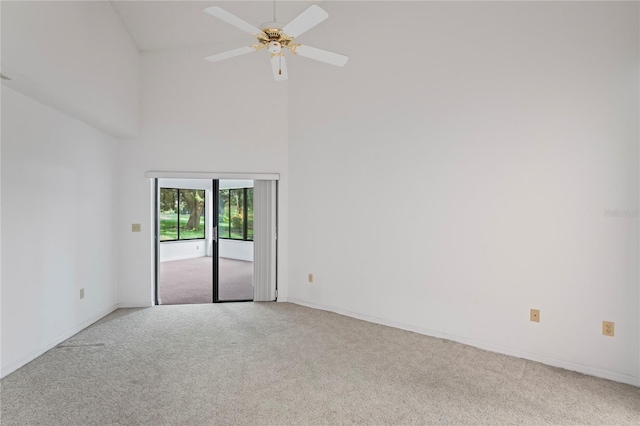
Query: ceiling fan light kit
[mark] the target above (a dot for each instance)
(276, 38)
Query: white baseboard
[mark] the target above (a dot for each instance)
(567, 365)
(10, 368)
(134, 305)
(185, 257)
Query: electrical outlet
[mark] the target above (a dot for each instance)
(82, 293)
(535, 315)
(310, 278)
(135, 227)
(608, 328)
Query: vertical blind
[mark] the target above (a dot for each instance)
(264, 240)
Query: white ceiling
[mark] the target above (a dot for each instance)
(157, 25)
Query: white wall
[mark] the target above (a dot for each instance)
(58, 227)
(240, 250)
(517, 124)
(235, 183)
(197, 117)
(75, 56)
(185, 183)
(178, 250)
(76, 76)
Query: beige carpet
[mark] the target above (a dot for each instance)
(282, 364)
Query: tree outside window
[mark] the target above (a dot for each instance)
(235, 214)
(182, 214)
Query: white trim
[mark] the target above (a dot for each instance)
(592, 371)
(210, 175)
(171, 259)
(134, 305)
(10, 368)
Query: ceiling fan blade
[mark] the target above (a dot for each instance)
(279, 67)
(322, 55)
(230, 54)
(229, 18)
(309, 18)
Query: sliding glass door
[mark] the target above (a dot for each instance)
(183, 264)
(233, 259)
(215, 240)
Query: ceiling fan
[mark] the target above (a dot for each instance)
(276, 38)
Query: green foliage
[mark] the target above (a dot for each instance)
(232, 213)
(190, 204)
(168, 200)
(169, 227)
(236, 222)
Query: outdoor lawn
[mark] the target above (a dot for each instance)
(169, 227)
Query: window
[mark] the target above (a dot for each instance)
(181, 214)
(236, 214)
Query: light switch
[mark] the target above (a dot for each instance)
(135, 227)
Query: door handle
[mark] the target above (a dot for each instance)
(215, 234)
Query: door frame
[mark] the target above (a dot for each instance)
(156, 237)
(155, 175)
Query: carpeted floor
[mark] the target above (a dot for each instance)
(283, 364)
(190, 281)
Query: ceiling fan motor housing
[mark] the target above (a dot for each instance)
(274, 47)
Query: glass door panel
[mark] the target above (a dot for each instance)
(233, 253)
